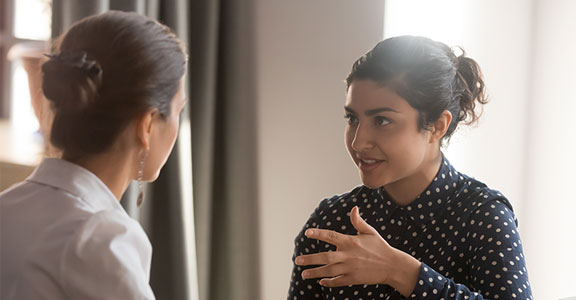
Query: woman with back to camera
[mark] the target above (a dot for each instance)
(416, 228)
(116, 85)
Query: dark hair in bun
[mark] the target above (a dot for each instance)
(78, 83)
(428, 75)
(105, 71)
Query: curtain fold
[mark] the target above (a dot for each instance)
(224, 148)
(235, 215)
(221, 120)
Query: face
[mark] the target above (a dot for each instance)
(163, 135)
(382, 135)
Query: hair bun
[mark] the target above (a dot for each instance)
(71, 80)
(472, 89)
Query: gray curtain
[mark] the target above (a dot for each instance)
(222, 116)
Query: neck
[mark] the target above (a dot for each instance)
(115, 168)
(406, 190)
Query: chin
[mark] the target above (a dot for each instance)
(372, 186)
(153, 177)
(373, 183)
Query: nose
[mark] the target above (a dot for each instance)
(361, 140)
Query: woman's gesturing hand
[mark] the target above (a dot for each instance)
(365, 258)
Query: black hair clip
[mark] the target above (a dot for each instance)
(78, 60)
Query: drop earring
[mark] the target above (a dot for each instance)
(140, 175)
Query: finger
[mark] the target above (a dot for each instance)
(342, 280)
(323, 271)
(328, 236)
(361, 226)
(322, 258)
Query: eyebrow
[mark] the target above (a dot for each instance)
(372, 112)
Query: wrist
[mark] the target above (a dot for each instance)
(405, 272)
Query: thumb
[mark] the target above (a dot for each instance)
(361, 226)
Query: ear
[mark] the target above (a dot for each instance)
(441, 126)
(144, 127)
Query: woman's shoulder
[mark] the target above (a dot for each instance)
(475, 196)
(87, 233)
(49, 210)
(107, 237)
(105, 227)
(76, 246)
(107, 246)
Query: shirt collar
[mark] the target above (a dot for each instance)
(435, 197)
(77, 181)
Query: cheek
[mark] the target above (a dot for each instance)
(348, 139)
(173, 130)
(403, 145)
(170, 137)
(160, 151)
(411, 149)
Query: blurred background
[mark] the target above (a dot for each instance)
(263, 141)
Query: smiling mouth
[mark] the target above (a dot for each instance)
(368, 161)
(367, 165)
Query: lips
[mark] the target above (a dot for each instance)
(368, 164)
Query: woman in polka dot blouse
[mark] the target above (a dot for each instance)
(417, 228)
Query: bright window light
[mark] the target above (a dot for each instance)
(22, 114)
(32, 19)
(441, 20)
(447, 21)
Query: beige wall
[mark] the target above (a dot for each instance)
(550, 203)
(305, 50)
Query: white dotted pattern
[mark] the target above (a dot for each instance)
(464, 234)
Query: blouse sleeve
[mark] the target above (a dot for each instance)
(495, 262)
(108, 258)
(305, 288)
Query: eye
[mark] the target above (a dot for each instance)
(382, 121)
(351, 119)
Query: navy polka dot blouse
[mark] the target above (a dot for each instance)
(464, 234)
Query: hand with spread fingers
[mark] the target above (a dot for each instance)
(365, 258)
